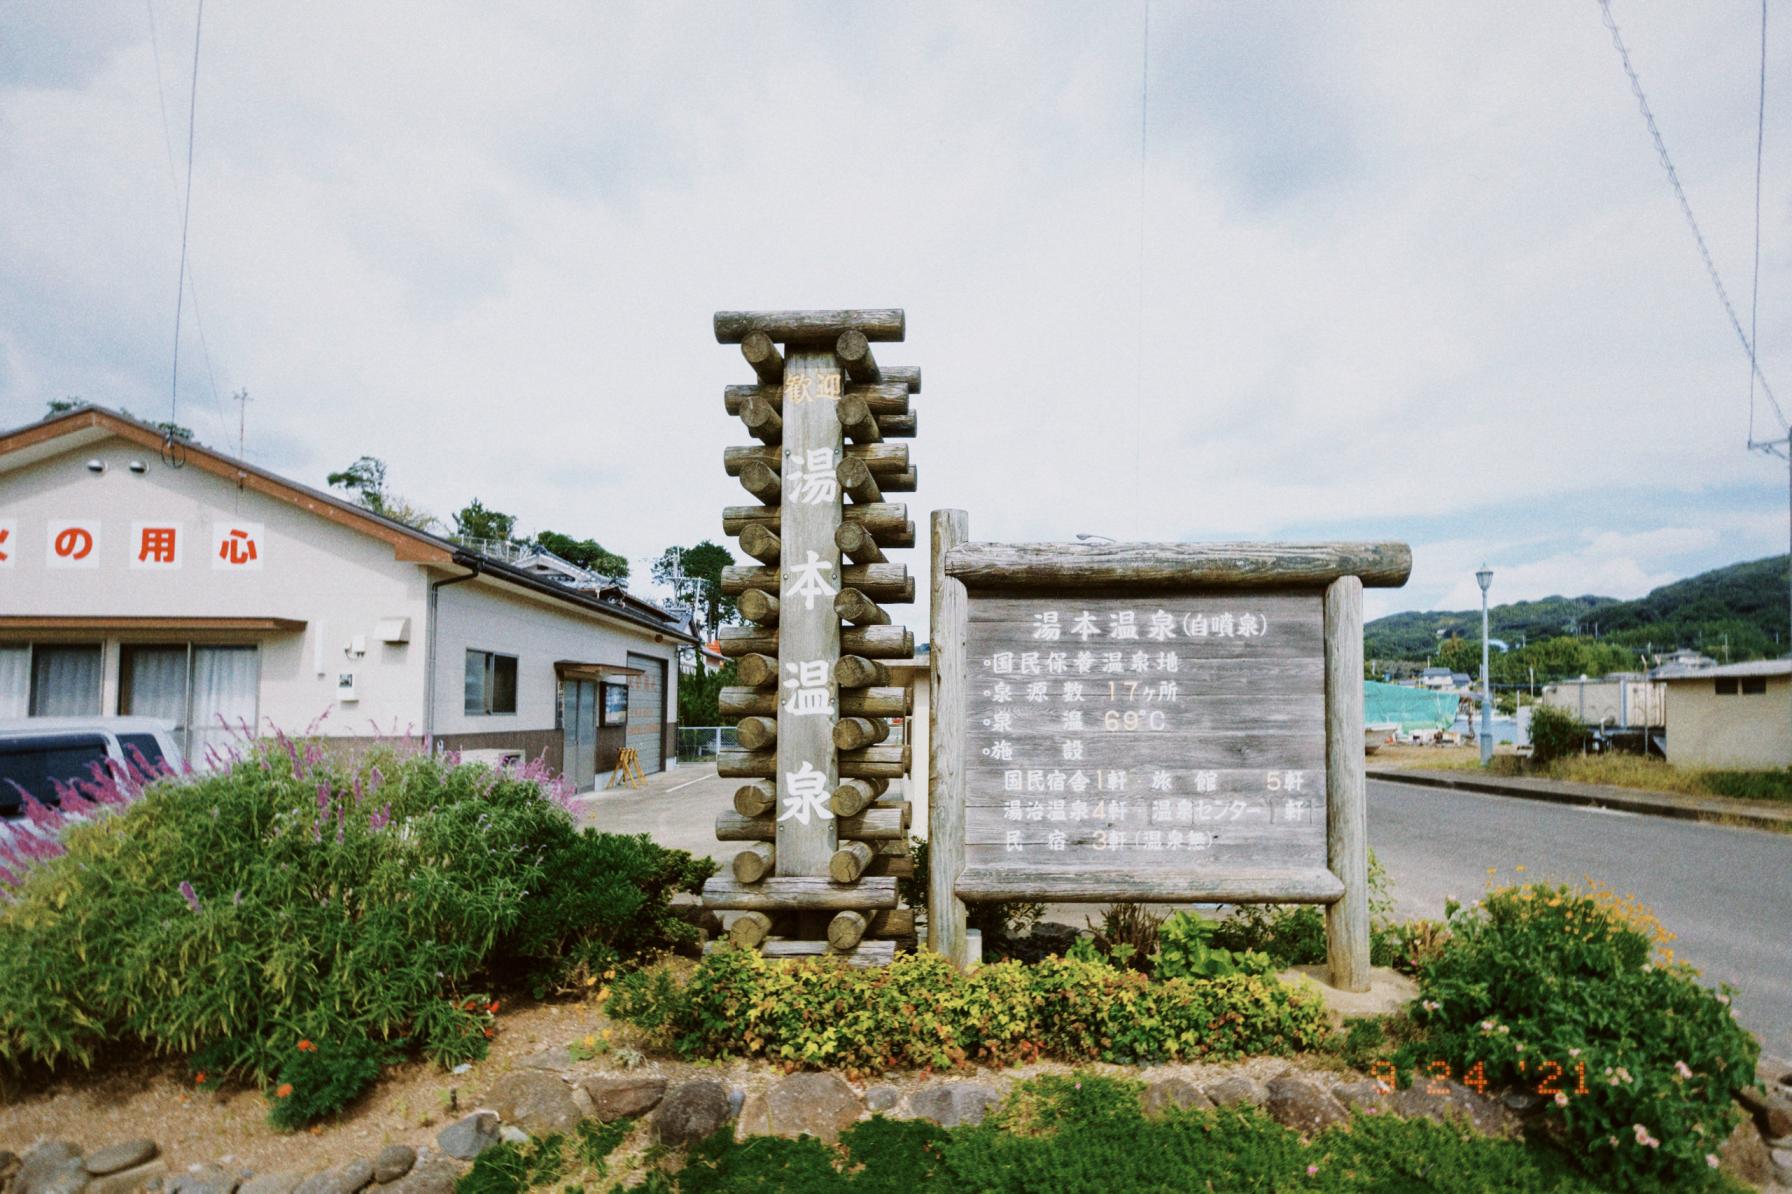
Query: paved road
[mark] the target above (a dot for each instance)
(1727, 893)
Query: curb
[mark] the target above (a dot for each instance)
(1597, 796)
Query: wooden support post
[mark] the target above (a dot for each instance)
(854, 352)
(900, 481)
(855, 672)
(749, 929)
(889, 583)
(846, 929)
(897, 922)
(889, 701)
(853, 606)
(760, 543)
(853, 797)
(873, 642)
(875, 824)
(856, 420)
(763, 356)
(849, 862)
(897, 426)
(887, 520)
(947, 716)
(761, 480)
(762, 422)
(755, 862)
(856, 479)
(857, 544)
(757, 605)
(754, 800)
(808, 629)
(855, 733)
(757, 671)
(757, 733)
(1346, 799)
(810, 327)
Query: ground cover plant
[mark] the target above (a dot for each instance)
(920, 1013)
(1071, 1134)
(1574, 994)
(298, 922)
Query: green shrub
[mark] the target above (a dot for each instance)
(1085, 1134)
(1554, 990)
(1555, 734)
(289, 899)
(919, 1013)
(1185, 950)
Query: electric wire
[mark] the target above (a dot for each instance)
(1138, 459)
(180, 289)
(1667, 164)
(192, 285)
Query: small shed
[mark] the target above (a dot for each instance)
(1739, 715)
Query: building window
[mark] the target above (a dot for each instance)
(1754, 686)
(1726, 685)
(491, 683)
(51, 680)
(208, 692)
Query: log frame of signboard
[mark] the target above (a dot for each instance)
(1337, 572)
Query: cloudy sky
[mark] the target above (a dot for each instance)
(1395, 271)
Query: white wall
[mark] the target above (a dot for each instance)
(338, 581)
(487, 615)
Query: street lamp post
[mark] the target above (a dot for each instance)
(1484, 578)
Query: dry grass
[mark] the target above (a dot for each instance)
(1616, 770)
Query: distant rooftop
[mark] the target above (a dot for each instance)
(1755, 667)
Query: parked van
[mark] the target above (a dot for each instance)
(37, 751)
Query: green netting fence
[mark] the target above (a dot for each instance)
(1409, 708)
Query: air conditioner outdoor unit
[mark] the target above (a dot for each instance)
(493, 757)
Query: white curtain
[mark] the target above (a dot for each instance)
(225, 682)
(65, 681)
(155, 683)
(15, 681)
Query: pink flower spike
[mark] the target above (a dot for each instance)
(188, 894)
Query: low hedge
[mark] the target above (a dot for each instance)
(1575, 994)
(920, 1013)
(300, 923)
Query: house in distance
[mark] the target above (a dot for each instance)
(174, 581)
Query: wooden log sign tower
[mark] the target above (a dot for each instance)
(1155, 722)
(813, 698)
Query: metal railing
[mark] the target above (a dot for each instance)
(698, 744)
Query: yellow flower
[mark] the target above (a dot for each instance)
(1519, 868)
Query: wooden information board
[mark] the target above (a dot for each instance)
(1152, 722)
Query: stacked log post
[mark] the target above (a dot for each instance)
(813, 699)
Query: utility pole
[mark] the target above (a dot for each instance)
(242, 400)
(1484, 578)
(1782, 448)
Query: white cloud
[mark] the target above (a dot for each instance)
(1397, 266)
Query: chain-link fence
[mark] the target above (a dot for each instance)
(697, 744)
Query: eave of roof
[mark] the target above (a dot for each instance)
(409, 545)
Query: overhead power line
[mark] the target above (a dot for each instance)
(192, 285)
(180, 290)
(1667, 164)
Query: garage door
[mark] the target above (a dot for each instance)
(647, 710)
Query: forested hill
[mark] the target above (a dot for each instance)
(1746, 602)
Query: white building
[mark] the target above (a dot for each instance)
(182, 583)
